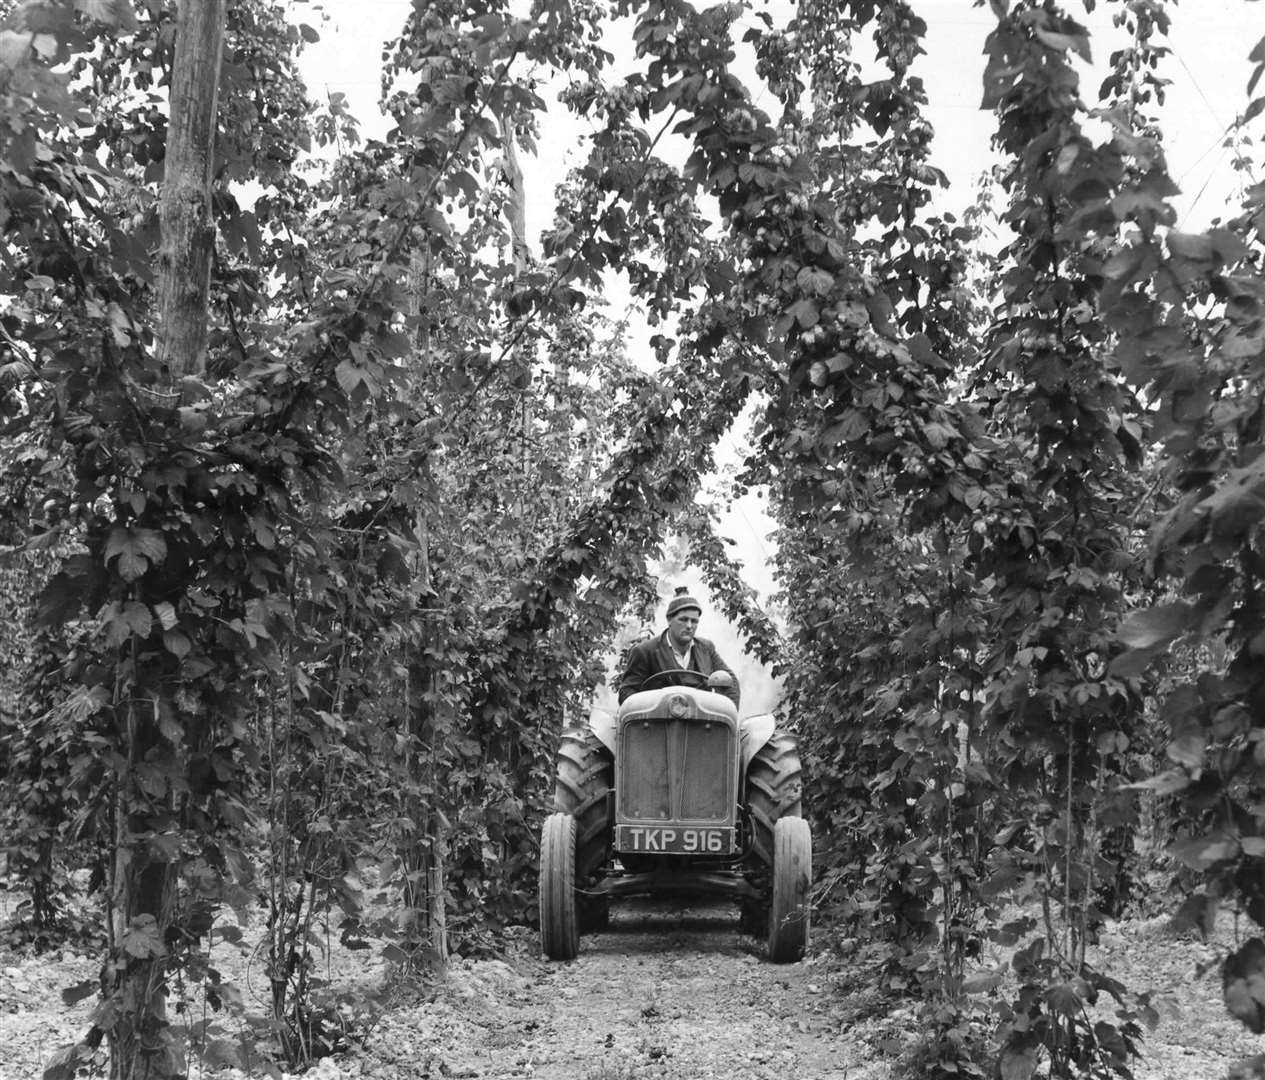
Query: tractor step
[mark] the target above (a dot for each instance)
(667, 882)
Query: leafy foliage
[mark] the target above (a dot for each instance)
(318, 613)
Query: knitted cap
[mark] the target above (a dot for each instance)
(681, 601)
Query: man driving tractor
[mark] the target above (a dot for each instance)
(678, 649)
(673, 794)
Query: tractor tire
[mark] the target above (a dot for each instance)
(792, 879)
(559, 925)
(585, 778)
(583, 784)
(774, 790)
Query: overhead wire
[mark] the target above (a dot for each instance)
(1226, 129)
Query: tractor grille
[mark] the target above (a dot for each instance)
(676, 770)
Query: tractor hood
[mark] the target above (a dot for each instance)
(679, 701)
(755, 731)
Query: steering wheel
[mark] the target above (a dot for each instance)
(696, 679)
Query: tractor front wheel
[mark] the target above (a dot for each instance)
(792, 878)
(559, 926)
(585, 777)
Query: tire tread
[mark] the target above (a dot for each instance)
(559, 927)
(774, 790)
(792, 880)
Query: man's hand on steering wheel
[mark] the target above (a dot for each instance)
(696, 679)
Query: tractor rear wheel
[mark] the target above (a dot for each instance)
(559, 927)
(774, 790)
(792, 879)
(584, 779)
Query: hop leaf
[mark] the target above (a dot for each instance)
(1155, 626)
(136, 549)
(81, 991)
(115, 13)
(143, 938)
(1243, 983)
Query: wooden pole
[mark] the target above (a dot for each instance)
(184, 209)
(142, 1044)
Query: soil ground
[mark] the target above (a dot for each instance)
(670, 992)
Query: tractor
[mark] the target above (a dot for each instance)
(673, 794)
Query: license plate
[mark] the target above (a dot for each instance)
(674, 840)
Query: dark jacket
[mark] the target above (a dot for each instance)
(655, 654)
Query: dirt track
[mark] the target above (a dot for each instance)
(669, 991)
(676, 993)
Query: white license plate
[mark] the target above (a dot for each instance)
(674, 840)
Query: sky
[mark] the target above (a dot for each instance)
(1209, 70)
(1210, 41)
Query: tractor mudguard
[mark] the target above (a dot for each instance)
(603, 724)
(756, 731)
